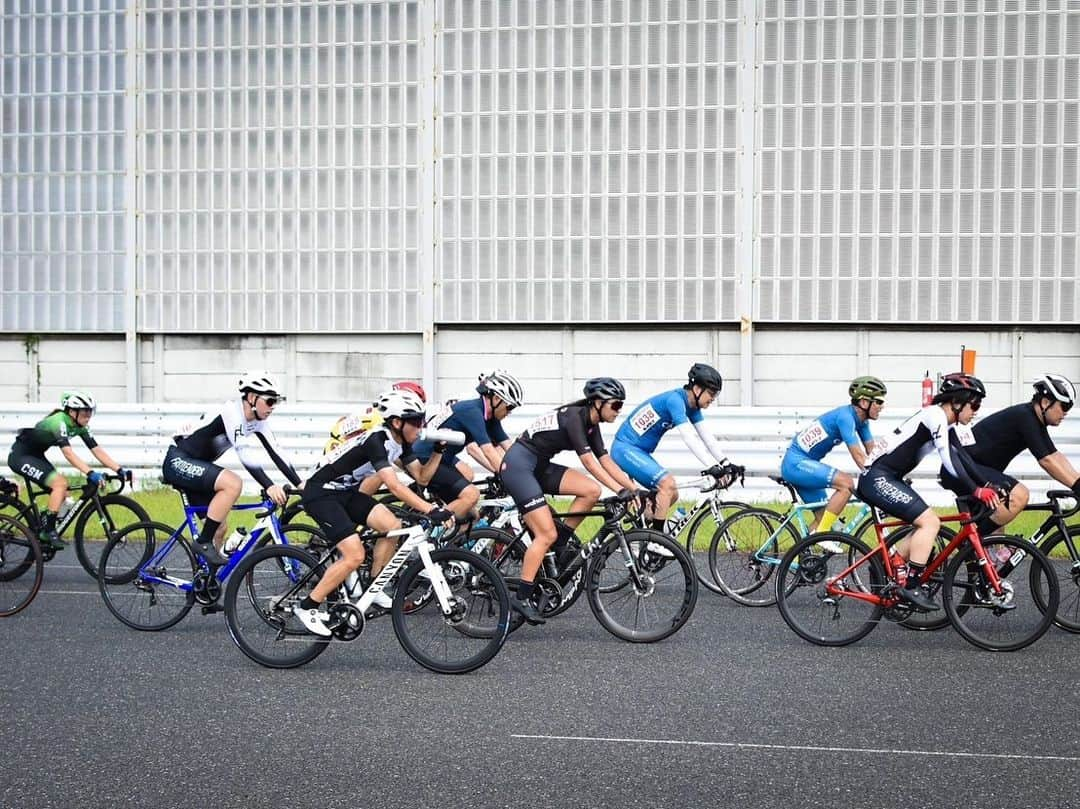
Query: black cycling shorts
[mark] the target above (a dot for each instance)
(33, 466)
(983, 475)
(447, 483)
(339, 514)
(527, 479)
(194, 477)
(890, 494)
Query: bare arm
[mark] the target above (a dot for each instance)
(493, 458)
(1060, 469)
(105, 458)
(859, 455)
(422, 473)
(75, 460)
(616, 472)
(402, 492)
(474, 450)
(594, 468)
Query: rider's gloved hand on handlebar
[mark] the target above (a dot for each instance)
(439, 515)
(626, 495)
(987, 495)
(123, 474)
(94, 477)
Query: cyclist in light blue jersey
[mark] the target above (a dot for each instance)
(802, 466)
(642, 430)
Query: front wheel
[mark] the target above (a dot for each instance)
(744, 553)
(21, 566)
(259, 598)
(828, 589)
(477, 618)
(642, 586)
(1013, 618)
(700, 533)
(1064, 555)
(97, 525)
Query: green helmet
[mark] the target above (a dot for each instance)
(866, 387)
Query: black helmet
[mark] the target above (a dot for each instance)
(605, 388)
(705, 376)
(959, 388)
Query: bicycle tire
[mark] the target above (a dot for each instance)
(976, 614)
(425, 631)
(705, 522)
(262, 625)
(744, 553)
(808, 610)
(131, 567)
(926, 621)
(1068, 576)
(664, 601)
(111, 519)
(301, 535)
(22, 566)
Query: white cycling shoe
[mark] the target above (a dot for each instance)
(313, 620)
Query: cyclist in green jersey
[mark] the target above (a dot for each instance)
(27, 456)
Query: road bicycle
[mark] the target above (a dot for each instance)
(450, 610)
(1061, 544)
(640, 583)
(21, 563)
(151, 577)
(999, 592)
(112, 511)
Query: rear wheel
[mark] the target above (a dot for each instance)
(926, 621)
(21, 566)
(95, 526)
(744, 553)
(146, 576)
(699, 536)
(848, 610)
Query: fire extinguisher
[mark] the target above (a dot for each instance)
(927, 390)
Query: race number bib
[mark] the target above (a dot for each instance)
(546, 422)
(965, 434)
(811, 437)
(644, 420)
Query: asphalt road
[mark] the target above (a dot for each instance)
(733, 711)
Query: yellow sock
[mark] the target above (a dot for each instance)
(827, 521)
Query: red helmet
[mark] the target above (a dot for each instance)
(412, 387)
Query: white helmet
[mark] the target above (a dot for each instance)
(1056, 387)
(401, 403)
(77, 400)
(260, 382)
(502, 384)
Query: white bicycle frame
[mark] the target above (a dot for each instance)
(416, 540)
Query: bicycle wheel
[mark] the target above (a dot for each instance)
(699, 537)
(259, 598)
(146, 575)
(926, 621)
(744, 552)
(475, 628)
(1067, 568)
(1020, 614)
(821, 617)
(309, 537)
(94, 527)
(662, 599)
(21, 566)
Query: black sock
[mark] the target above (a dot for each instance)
(525, 590)
(914, 573)
(209, 528)
(657, 525)
(48, 522)
(308, 603)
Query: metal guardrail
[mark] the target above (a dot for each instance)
(138, 435)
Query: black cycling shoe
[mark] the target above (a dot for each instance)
(918, 596)
(527, 611)
(51, 539)
(210, 553)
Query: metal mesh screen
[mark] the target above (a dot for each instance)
(587, 161)
(62, 235)
(918, 161)
(280, 163)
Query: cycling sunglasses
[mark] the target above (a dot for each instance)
(975, 404)
(615, 404)
(877, 401)
(271, 401)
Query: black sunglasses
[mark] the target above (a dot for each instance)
(615, 404)
(877, 401)
(1065, 406)
(416, 421)
(975, 404)
(271, 401)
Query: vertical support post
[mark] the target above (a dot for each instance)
(744, 251)
(131, 202)
(1018, 392)
(428, 198)
(568, 365)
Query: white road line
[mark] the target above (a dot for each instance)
(802, 747)
(69, 592)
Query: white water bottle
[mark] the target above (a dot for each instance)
(675, 520)
(446, 436)
(65, 509)
(235, 540)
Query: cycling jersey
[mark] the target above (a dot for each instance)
(802, 467)
(648, 422)
(346, 467)
(466, 416)
(566, 428)
(927, 430)
(55, 430)
(1003, 435)
(209, 439)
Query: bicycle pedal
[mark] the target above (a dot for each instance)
(210, 608)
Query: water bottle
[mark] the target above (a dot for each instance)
(550, 569)
(65, 509)
(675, 521)
(454, 437)
(235, 540)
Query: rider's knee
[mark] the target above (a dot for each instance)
(59, 484)
(469, 496)
(668, 488)
(844, 482)
(230, 483)
(1018, 497)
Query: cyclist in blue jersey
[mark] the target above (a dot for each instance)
(480, 420)
(642, 430)
(802, 466)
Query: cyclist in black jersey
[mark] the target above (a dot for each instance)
(333, 497)
(1000, 437)
(189, 464)
(528, 473)
(27, 456)
(882, 484)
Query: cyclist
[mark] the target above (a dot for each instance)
(642, 430)
(802, 466)
(480, 420)
(333, 498)
(959, 397)
(1001, 436)
(528, 473)
(189, 463)
(27, 455)
(349, 427)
